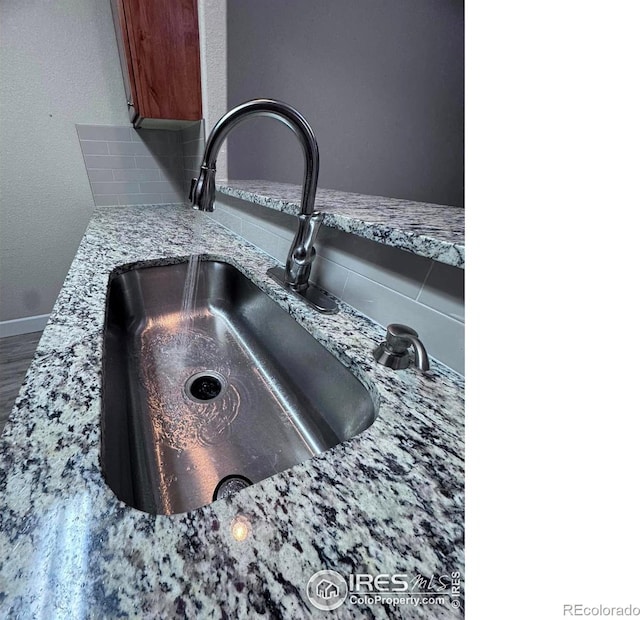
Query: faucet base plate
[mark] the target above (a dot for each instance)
(315, 297)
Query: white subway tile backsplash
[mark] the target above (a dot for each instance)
(401, 271)
(193, 132)
(272, 244)
(442, 335)
(111, 162)
(128, 148)
(115, 187)
(148, 163)
(275, 222)
(228, 220)
(443, 290)
(136, 174)
(173, 198)
(107, 200)
(194, 148)
(141, 199)
(100, 175)
(95, 148)
(103, 132)
(156, 136)
(150, 136)
(172, 165)
(126, 166)
(169, 149)
(329, 276)
(154, 187)
(192, 162)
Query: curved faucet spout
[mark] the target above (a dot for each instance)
(301, 253)
(204, 194)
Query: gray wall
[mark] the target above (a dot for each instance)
(380, 81)
(58, 67)
(212, 21)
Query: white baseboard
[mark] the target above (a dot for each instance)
(28, 324)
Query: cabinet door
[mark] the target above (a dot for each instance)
(163, 58)
(120, 24)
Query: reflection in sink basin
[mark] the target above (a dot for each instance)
(206, 393)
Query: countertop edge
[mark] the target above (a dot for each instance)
(373, 228)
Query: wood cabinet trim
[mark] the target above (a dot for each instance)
(162, 47)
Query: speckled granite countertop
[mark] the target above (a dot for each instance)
(388, 501)
(434, 231)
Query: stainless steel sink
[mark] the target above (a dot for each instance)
(209, 386)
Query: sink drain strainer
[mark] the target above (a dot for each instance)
(205, 386)
(230, 485)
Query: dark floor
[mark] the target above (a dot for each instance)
(16, 353)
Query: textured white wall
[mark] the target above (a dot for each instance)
(58, 67)
(212, 15)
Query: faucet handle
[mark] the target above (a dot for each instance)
(203, 189)
(394, 351)
(304, 253)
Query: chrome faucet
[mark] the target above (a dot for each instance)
(394, 351)
(295, 275)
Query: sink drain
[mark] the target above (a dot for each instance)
(204, 386)
(230, 485)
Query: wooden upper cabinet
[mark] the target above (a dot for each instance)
(159, 50)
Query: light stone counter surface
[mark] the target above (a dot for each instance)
(431, 230)
(388, 501)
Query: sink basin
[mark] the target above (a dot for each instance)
(209, 386)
